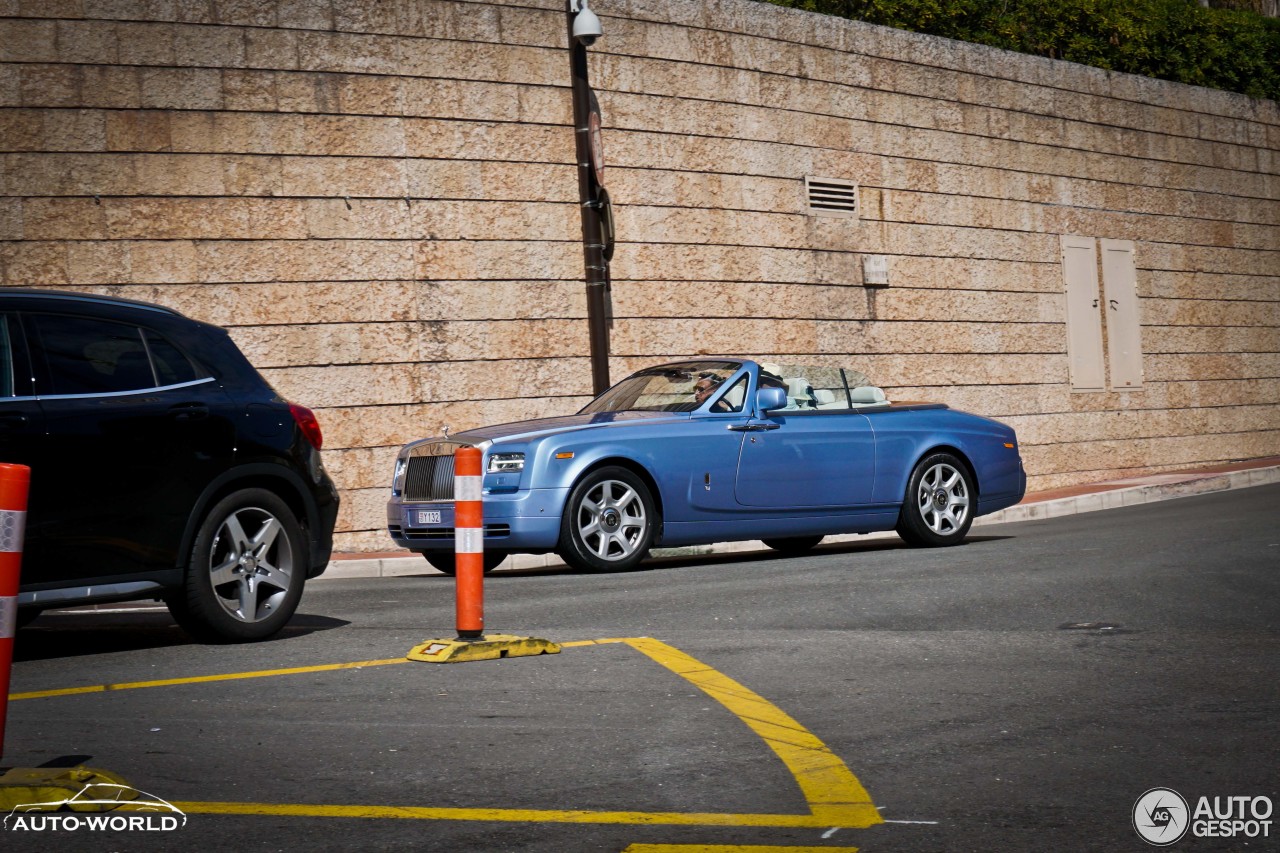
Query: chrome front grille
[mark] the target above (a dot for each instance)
(429, 478)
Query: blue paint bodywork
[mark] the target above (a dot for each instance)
(795, 473)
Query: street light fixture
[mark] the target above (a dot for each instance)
(597, 218)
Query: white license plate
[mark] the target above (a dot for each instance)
(428, 516)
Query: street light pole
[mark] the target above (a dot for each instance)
(590, 189)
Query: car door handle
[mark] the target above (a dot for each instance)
(755, 426)
(13, 420)
(184, 412)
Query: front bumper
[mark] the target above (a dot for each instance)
(525, 521)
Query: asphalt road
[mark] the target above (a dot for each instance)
(1020, 692)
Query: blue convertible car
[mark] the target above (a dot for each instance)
(713, 450)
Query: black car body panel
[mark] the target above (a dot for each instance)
(132, 436)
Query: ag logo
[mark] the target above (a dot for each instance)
(1161, 816)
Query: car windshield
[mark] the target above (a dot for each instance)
(669, 388)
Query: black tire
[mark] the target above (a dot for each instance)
(793, 544)
(445, 561)
(939, 504)
(247, 569)
(609, 522)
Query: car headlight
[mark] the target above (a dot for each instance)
(505, 463)
(397, 478)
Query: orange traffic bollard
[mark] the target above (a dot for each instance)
(468, 523)
(468, 553)
(15, 482)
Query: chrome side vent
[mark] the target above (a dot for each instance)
(831, 197)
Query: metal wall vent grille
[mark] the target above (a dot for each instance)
(831, 196)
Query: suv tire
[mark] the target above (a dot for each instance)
(246, 572)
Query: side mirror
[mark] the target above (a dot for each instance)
(769, 399)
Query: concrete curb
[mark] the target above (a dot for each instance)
(1115, 494)
(1101, 496)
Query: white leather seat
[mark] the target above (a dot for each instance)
(798, 390)
(867, 395)
(828, 400)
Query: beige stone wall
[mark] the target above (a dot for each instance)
(379, 200)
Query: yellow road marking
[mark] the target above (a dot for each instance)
(506, 815)
(834, 795)
(233, 676)
(199, 679)
(604, 642)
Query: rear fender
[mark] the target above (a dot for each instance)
(275, 478)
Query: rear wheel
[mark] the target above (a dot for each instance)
(609, 522)
(793, 544)
(246, 572)
(446, 561)
(939, 504)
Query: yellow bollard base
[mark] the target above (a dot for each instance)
(488, 647)
(80, 789)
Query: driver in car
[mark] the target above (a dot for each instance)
(704, 388)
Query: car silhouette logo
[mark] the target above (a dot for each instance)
(102, 797)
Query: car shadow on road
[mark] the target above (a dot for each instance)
(664, 562)
(73, 633)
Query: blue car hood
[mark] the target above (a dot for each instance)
(539, 427)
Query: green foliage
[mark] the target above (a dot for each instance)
(1238, 51)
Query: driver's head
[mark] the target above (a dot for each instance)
(704, 387)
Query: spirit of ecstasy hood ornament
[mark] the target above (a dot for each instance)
(446, 430)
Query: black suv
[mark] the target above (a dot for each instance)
(162, 466)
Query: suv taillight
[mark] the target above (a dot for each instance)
(308, 424)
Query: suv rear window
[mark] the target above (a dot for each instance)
(172, 367)
(90, 356)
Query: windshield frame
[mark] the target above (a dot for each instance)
(828, 397)
(623, 396)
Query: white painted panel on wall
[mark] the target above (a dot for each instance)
(1084, 322)
(1124, 325)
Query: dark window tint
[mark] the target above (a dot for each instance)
(87, 356)
(6, 358)
(172, 367)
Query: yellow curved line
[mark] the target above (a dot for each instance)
(834, 794)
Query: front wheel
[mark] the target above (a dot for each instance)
(609, 522)
(246, 572)
(939, 504)
(446, 561)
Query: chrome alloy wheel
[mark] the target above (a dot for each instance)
(251, 564)
(943, 499)
(611, 520)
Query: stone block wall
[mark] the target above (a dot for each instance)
(379, 201)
